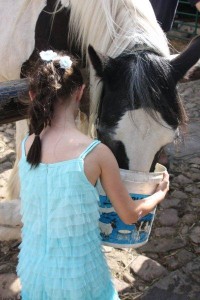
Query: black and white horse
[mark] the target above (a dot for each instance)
(140, 110)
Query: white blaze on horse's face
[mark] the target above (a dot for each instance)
(142, 137)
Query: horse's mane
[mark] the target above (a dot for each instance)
(116, 25)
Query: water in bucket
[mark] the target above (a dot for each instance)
(116, 233)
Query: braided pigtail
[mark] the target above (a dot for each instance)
(51, 80)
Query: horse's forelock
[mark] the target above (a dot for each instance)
(145, 80)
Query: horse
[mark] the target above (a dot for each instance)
(115, 28)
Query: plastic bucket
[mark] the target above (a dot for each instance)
(116, 233)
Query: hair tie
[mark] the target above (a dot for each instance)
(49, 55)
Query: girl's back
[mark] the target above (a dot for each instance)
(60, 233)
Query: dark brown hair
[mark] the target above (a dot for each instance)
(48, 82)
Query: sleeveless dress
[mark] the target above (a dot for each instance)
(60, 254)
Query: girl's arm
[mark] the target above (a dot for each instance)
(127, 209)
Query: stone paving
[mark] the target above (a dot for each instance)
(168, 266)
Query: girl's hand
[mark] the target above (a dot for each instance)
(163, 186)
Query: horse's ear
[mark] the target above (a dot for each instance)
(184, 61)
(97, 61)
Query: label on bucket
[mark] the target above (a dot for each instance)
(115, 233)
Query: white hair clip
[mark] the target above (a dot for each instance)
(48, 55)
(64, 61)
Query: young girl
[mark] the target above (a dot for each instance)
(60, 254)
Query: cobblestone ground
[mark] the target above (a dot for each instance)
(168, 266)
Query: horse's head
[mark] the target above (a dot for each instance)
(140, 110)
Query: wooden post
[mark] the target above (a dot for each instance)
(13, 100)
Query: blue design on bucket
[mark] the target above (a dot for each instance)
(115, 232)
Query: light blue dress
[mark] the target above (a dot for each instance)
(60, 255)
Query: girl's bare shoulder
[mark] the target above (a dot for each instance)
(103, 153)
(103, 149)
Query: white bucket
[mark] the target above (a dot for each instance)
(116, 233)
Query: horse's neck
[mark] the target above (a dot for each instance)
(17, 27)
(143, 139)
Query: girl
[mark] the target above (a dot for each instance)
(60, 254)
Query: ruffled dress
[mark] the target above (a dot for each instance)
(60, 254)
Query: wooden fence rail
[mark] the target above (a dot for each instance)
(13, 100)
